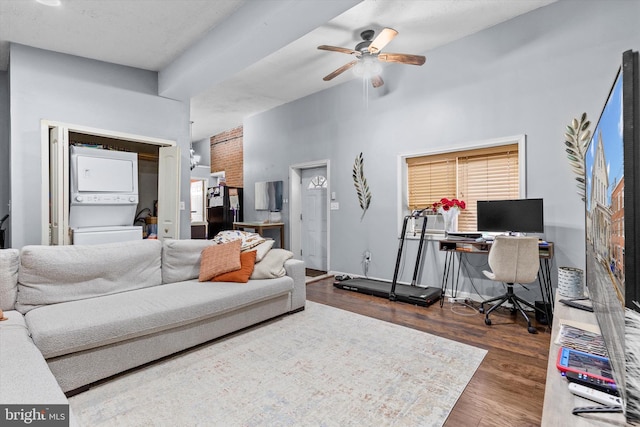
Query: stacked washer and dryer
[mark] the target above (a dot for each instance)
(104, 196)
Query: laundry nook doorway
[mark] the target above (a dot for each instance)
(159, 176)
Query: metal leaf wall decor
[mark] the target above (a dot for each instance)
(360, 182)
(576, 140)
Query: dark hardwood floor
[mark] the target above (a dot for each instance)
(508, 387)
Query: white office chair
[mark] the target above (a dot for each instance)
(513, 260)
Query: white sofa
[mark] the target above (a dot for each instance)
(94, 311)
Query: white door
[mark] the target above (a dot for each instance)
(58, 187)
(314, 218)
(168, 193)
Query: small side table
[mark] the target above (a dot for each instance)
(260, 226)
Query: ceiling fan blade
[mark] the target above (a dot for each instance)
(402, 58)
(377, 81)
(340, 70)
(339, 49)
(382, 39)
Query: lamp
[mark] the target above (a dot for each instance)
(367, 67)
(193, 157)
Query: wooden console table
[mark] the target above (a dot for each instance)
(558, 401)
(260, 227)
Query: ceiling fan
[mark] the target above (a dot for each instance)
(368, 53)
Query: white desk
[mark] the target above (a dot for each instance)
(558, 401)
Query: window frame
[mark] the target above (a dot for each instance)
(403, 179)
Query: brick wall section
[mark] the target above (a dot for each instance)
(226, 155)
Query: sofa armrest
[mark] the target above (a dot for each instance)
(9, 262)
(295, 270)
(25, 377)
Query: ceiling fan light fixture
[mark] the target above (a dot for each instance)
(369, 56)
(367, 67)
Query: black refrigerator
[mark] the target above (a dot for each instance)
(225, 208)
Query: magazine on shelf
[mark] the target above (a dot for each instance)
(582, 338)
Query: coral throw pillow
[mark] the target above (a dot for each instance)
(218, 259)
(247, 260)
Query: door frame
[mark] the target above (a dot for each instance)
(47, 125)
(295, 207)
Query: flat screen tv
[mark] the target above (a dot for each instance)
(611, 217)
(268, 196)
(511, 216)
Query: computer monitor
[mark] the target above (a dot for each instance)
(512, 216)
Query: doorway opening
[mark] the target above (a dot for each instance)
(162, 173)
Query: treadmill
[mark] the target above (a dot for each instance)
(394, 291)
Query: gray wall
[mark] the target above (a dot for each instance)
(69, 89)
(4, 149)
(530, 75)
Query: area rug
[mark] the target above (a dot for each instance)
(320, 367)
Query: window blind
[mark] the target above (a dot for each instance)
(430, 180)
(490, 173)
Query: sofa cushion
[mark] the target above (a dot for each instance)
(181, 259)
(272, 265)
(218, 259)
(9, 261)
(56, 274)
(247, 261)
(262, 249)
(74, 326)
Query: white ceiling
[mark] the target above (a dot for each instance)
(153, 34)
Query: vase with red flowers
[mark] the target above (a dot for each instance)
(449, 209)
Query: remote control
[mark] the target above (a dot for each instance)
(595, 395)
(589, 381)
(575, 304)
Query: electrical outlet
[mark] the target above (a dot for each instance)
(457, 299)
(367, 256)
